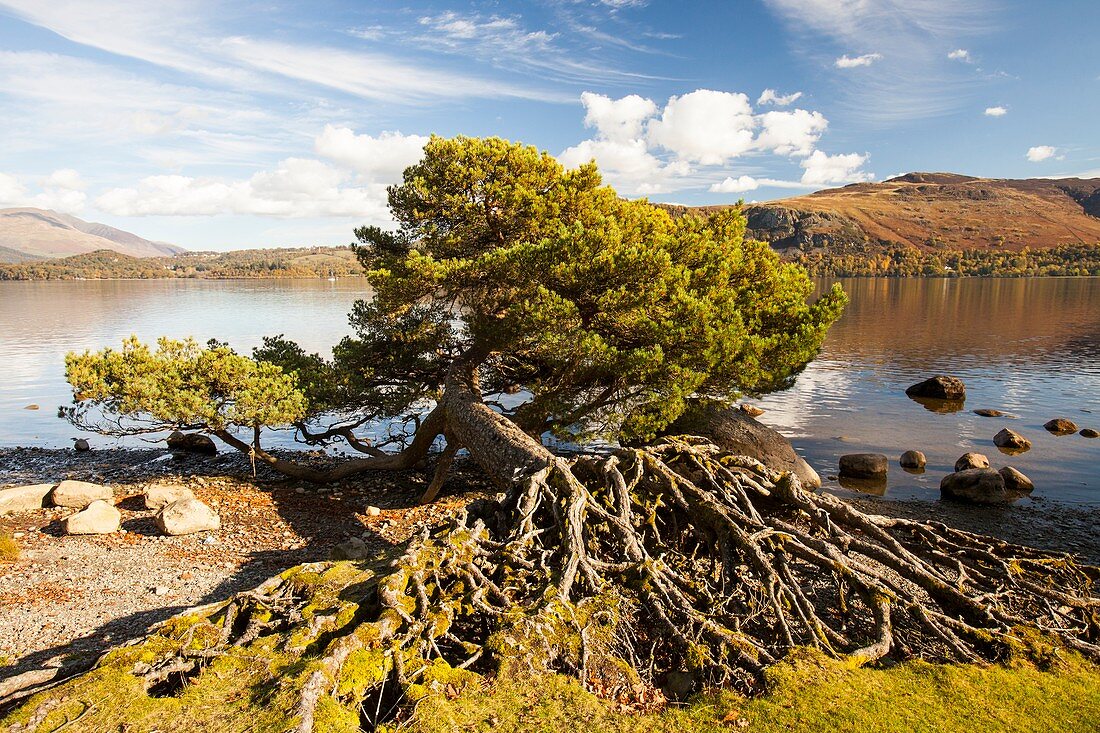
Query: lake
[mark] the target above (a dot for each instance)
(1029, 347)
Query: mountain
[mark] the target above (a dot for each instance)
(935, 211)
(32, 234)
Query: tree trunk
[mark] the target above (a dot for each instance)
(621, 569)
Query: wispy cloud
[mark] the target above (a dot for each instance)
(997, 111)
(1039, 153)
(851, 62)
(770, 96)
(960, 54)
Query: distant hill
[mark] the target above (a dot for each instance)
(933, 211)
(32, 234)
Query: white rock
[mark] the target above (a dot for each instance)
(187, 516)
(160, 590)
(99, 518)
(80, 494)
(373, 511)
(24, 498)
(158, 497)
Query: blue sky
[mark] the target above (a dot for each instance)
(220, 125)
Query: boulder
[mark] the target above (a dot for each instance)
(989, 413)
(24, 498)
(186, 516)
(971, 460)
(939, 388)
(734, 431)
(912, 459)
(1089, 433)
(353, 549)
(1010, 440)
(158, 497)
(864, 465)
(1060, 426)
(750, 410)
(1016, 482)
(80, 494)
(192, 443)
(80, 445)
(975, 485)
(98, 518)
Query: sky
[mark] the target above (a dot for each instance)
(224, 125)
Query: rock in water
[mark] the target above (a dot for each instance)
(158, 497)
(750, 410)
(734, 431)
(1061, 426)
(80, 494)
(864, 465)
(1016, 482)
(971, 460)
(187, 516)
(24, 498)
(98, 518)
(989, 413)
(1089, 433)
(192, 443)
(80, 445)
(912, 459)
(1010, 440)
(939, 388)
(975, 485)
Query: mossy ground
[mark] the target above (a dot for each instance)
(806, 693)
(9, 548)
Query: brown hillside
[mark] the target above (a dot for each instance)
(934, 211)
(30, 234)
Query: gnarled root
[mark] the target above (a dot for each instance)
(627, 569)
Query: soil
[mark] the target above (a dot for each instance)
(68, 598)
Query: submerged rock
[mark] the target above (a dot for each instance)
(971, 460)
(1061, 426)
(864, 465)
(939, 388)
(98, 518)
(975, 485)
(1089, 433)
(912, 459)
(989, 413)
(80, 494)
(1011, 441)
(187, 516)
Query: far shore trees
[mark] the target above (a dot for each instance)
(670, 565)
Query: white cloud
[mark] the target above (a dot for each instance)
(1040, 153)
(296, 188)
(791, 133)
(383, 157)
(65, 178)
(628, 165)
(770, 96)
(735, 185)
(12, 191)
(996, 111)
(617, 119)
(59, 191)
(822, 169)
(960, 54)
(848, 62)
(705, 126)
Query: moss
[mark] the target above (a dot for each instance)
(362, 669)
(9, 548)
(332, 717)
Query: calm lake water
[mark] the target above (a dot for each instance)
(1027, 347)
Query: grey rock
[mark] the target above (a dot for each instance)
(98, 518)
(24, 498)
(971, 460)
(80, 445)
(187, 516)
(1016, 482)
(1011, 440)
(80, 494)
(912, 459)
(352, 549)
(158, 497)
(975, 485)
(864, 465)
(738, 433)
(192, 443)
(939, 388)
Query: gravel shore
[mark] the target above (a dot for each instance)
(68, 598)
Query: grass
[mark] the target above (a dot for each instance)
(9, 548)
(808, 693)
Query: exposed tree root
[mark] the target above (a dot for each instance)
(630, 570)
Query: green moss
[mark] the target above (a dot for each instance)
(332, 717)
